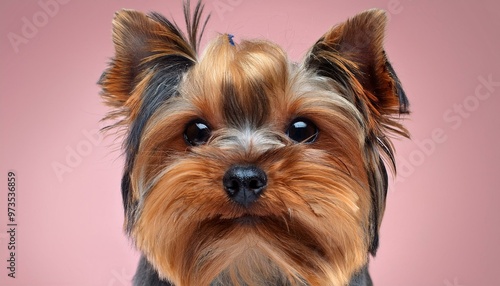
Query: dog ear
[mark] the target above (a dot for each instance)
(352, 54)
(143, 45)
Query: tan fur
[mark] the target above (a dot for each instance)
(316, 204)
(312, 225)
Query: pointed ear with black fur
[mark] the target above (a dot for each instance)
(143, 44)
(352, 55)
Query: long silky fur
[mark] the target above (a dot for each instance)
(141, 78)
(319, 217)
(352, 54)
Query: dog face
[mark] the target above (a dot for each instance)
(244, 168)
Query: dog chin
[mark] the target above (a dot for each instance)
(254, 267)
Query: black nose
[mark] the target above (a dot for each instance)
(244, 184)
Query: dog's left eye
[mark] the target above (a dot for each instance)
(302, 130)
(197, 133)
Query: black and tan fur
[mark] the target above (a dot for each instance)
(318, 219)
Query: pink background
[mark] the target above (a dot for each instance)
(442, 225)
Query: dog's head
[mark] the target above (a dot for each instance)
(245, 168)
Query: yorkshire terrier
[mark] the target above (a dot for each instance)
(243, 168)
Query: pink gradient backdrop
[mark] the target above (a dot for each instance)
(442, 225)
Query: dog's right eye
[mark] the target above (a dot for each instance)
(197, 133)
